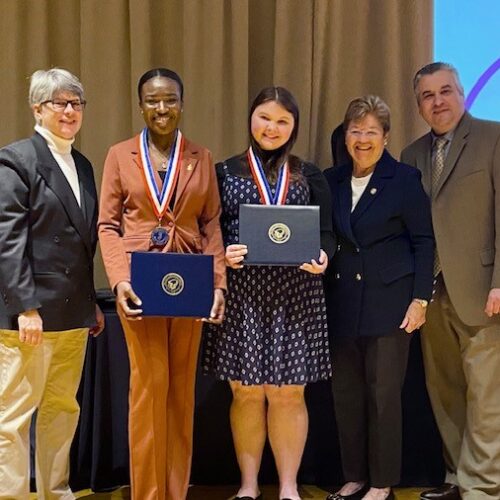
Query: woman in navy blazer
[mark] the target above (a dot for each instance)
(377, 288)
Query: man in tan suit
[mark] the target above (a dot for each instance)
(460, 164)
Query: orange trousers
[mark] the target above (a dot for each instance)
(163, 356)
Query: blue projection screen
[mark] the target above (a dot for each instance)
(467, 35)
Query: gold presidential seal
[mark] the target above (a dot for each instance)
(172, 284)
(279, 233)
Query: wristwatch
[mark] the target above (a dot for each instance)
(424, 303)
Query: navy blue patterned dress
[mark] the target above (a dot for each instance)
(275, 327)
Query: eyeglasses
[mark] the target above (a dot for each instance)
(364, 133)
(62, 104)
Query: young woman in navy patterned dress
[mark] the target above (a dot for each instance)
(274, 338)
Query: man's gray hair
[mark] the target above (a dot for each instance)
(430, 69)
(45, 85)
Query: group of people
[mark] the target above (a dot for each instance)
(402, 249)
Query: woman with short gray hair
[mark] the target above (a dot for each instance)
(48, 213)
(373, 105)
(44, 85)
(377, 288)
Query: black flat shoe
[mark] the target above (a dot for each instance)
(249, 498)
(358, 495)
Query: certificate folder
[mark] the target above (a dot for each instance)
(284, 235)
(173, 284)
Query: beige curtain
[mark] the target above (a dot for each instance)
(325, 51)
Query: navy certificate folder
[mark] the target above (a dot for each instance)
(173, 284)
(284, 235)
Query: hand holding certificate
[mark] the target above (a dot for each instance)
(235, 255)
(316, 267)
(127, 301)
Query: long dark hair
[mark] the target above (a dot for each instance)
(167, 73)
(272, 160)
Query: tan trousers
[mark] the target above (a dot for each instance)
(163, 356)
(44, 377)
(462, 367)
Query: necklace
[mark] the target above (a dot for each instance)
(161, 156)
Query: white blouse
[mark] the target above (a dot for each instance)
(358, 186)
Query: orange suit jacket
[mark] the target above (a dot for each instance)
(126, 216)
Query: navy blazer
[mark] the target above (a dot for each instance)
(385, 249)
(47, 242)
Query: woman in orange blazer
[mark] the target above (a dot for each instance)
(138, 214)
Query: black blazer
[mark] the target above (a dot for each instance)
(385, 249)
(47, 242)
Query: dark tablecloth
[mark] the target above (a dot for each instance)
(99, 456)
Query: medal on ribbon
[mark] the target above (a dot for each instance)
(159, 236)
(266, 195)
(160, 199)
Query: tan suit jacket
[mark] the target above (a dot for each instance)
(466, 213)
(126, 216)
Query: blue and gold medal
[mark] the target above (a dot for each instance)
(159, 236)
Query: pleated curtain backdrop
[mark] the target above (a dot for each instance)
(325, 51)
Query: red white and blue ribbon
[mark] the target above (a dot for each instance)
(266, 195)
(161, 199)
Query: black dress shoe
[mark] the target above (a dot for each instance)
(354, 496)
(446, 492)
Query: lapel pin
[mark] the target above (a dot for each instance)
(189, 167)
(373, 190)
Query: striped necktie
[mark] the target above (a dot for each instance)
(437, 170)
(438, 161)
